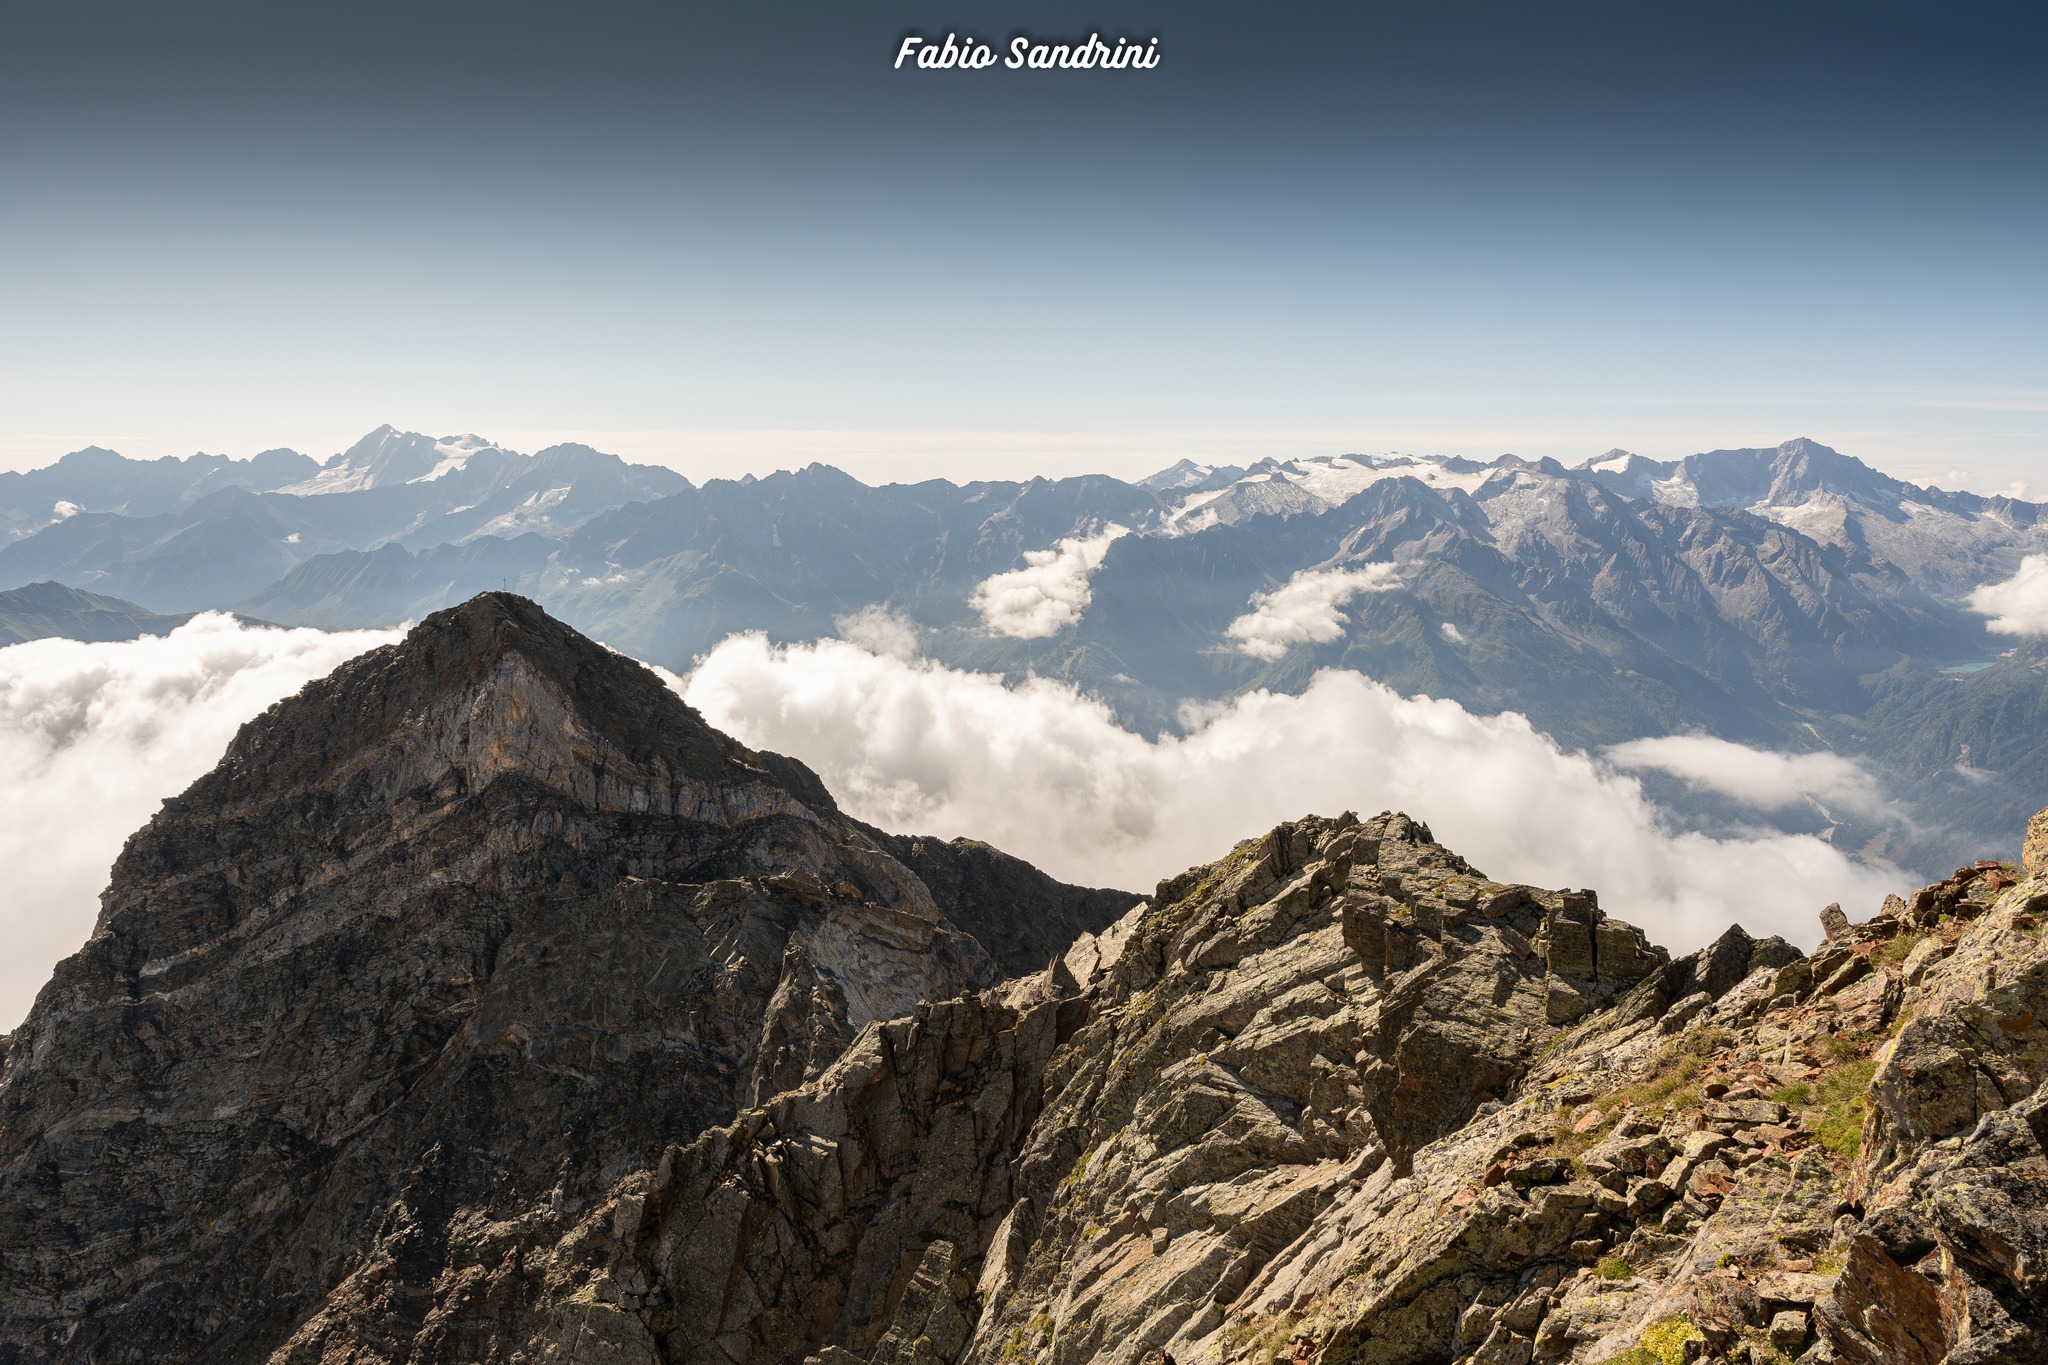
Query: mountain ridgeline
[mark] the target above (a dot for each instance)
(485, 1005)
(469, 928)
(43, 611)
(1790, 598)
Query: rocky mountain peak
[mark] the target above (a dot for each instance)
(1191, 476)
(447, 943)
(492, 687)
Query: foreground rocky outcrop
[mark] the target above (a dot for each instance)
(1341, 1098)
(445, 947)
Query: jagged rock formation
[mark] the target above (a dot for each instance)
(447, 945)
(1012, 909)
(1339, 1098)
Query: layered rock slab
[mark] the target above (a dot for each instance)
(1341, 1098)
(1321, 1005)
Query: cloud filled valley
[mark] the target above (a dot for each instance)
(1048, 774)
(1758, 778)
(96, 735)
(1847, 631)
(93, 736)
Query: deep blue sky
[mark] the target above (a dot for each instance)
(736, 238)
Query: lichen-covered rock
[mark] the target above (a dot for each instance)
(1319, 1105)
(2034, 856)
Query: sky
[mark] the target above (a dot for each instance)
(735, 238)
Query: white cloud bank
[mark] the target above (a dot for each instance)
(2019, 605)
(1047, 774)
(1757, 777)
(1049, 593)
(1306, 609)
(94, 736)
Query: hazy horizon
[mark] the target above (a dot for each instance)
(875, 462)
(732, 241)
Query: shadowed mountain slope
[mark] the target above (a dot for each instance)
(446, 944)
(43, 611)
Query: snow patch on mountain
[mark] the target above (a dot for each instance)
(1192, 476)
(454, 452)
(1308, 485)
(388, 456)
(531, 515)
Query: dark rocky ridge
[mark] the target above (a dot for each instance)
(1013, 910)
(40, 611)
(1010, 907)
(445, 945)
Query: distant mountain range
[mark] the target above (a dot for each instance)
(1789, 597)
(43, 611)
(206, 531)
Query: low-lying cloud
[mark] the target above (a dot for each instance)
(1051, 591)
(2019, 605)
(1049, 775)
(1306, 609)
(94, 736)
(877, 629)
(1757, 777)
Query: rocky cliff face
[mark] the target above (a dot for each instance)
(1340, 1098)
(446, 946)
(485, 1006)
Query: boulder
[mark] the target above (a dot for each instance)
(2034, 854)
(1834, 923)
(1788, 1331)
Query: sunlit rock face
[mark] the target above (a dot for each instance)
(1341, 1098)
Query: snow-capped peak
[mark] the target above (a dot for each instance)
(388, 456)
(454, 452)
